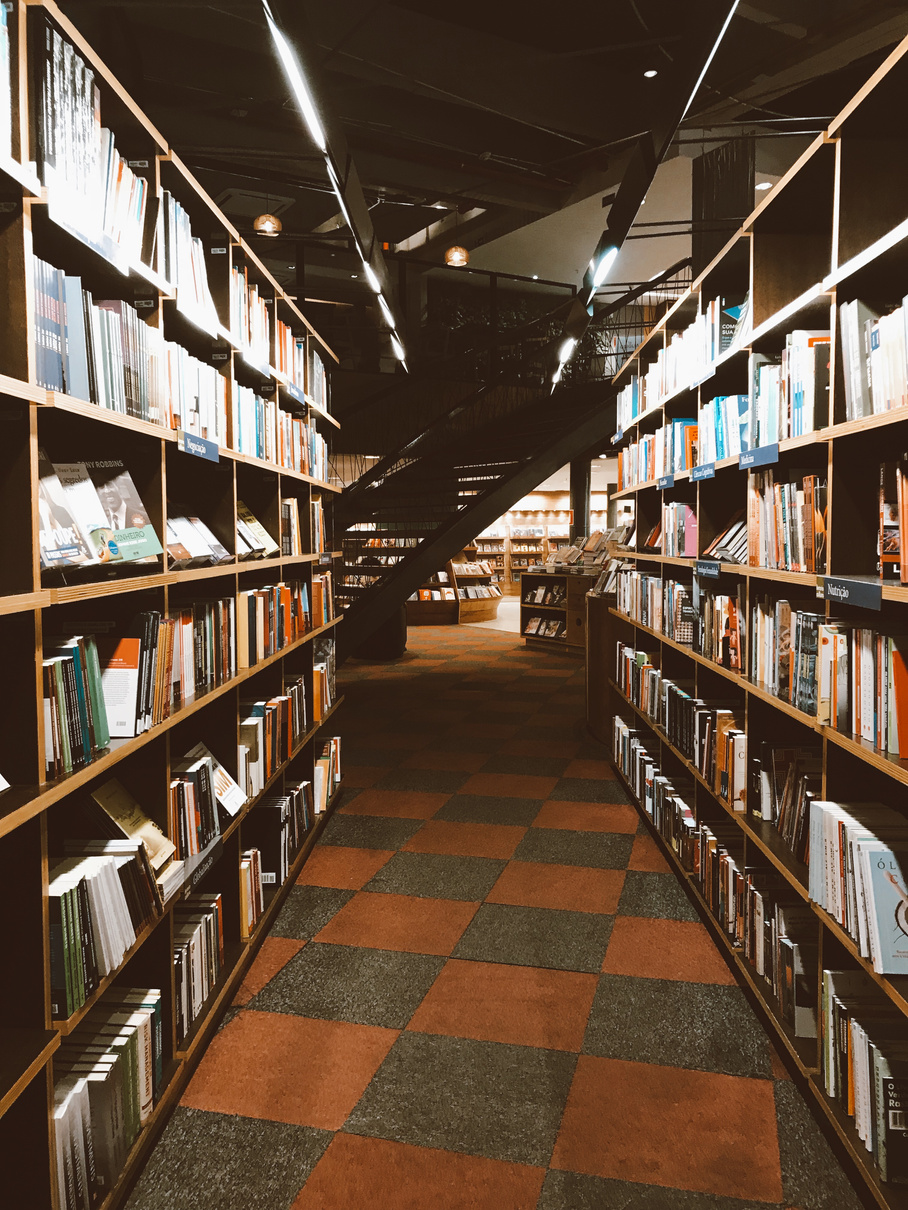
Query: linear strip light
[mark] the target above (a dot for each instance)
(313, 122)
(294, 75)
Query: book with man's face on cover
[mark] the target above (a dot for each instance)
(108, 511)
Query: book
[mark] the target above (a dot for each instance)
(128, 820)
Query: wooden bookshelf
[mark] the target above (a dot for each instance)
(570, 589)
(35, 810)
(832, 230)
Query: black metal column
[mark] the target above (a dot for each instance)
(580, 497)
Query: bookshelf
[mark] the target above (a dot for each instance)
(435, 602)
(833, 232)
(213, 360)
(478, 593)
(557, 599)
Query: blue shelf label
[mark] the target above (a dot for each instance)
(866, 594)
(619, 436)
(200, 447)
(707, 567)
(706, 471)
(294, 392)
(764, 455)
(665, 482)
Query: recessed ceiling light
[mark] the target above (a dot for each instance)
(354, 276)
(649, 74)
(535, 277)
(763, 185)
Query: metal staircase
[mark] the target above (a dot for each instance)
(415, 509)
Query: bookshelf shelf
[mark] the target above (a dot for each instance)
(828, 239)
(179, 331)
(23, 1054)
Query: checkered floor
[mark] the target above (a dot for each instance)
(487, 991)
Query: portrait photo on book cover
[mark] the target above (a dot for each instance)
(122, 504)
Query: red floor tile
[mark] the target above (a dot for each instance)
(599, 769)
(522, 1005)
(447, 762)
(274, 954)
(671, 1127)
(779, 1070)
(356, 1173)
(647, 856)
(588, 817)
(513, 785)
(484, 730)
(544, 747)
(567, 887)
(554, 672)
(360, 777)
(339, 866)
(288, 1069)
(398, 740)
(664, 949)
(401, 804)
(466, 839)
(400, 922)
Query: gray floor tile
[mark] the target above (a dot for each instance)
(349, 983)
(214, 1161)
(701, 1026)
(597, 850)
(437, 876)
(812, 1178)
(308, 909)
(655, 895)
(588, 789)
(483, 1098)
(524, 936)
(487, 808)
(432, 781)
(369, 831)
(570, 1191)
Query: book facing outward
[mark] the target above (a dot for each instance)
(105, 510)
(258, 541)
(125, 819)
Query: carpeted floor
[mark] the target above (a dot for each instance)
(487, 991)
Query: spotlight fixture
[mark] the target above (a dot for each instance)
(267, 224)
(397, 347)
(457, 257)
(303, 96)
(649, 74)
(371, 278)
(386, 311)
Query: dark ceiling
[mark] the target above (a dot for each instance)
(504, 110)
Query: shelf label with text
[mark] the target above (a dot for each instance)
(665, 482)
(209, 857)
(865, 594)
(706, 471)
(199, 447)
(764, 455)
(707, 567)
(294, 392)
(619, 436)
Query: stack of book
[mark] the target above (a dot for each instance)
(253, 541)
(290, 354)
(101, 897)
(864, 1067)
(109, 1074)
(252, 897)
(6, 96)
(76, 725)
(679, 530)
(181, 260)
(269, 619)
(784, 780)
(787, 522)
(198, 955)
(722, 428)
(322, 598)
(327, 773)
(277, 826)
(162, 663)
(193, 820)
(874, 363)
(250, 323)
(858, 873)
(317, 379)
(789, 396)
(545, 628)
(269, 732)
(784, 643)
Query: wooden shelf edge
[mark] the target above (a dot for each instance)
(31, 1048)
